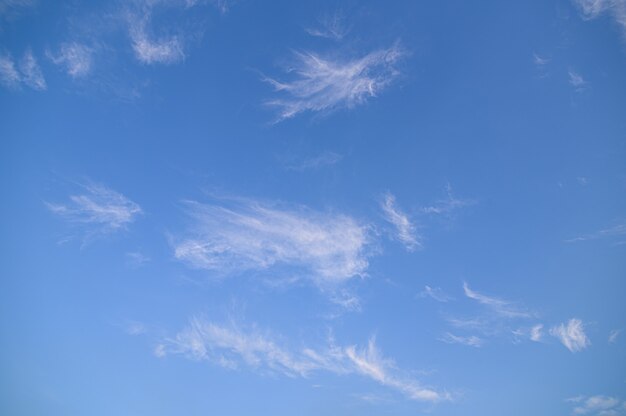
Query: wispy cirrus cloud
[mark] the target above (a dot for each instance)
(435, 293)
(405, 230)
(330, 26)
(98, 209)
(499, 306)
(75, 58)
(536, 333)
(12, 7)
(576, 80)
(233, 346)
(572, 335)
(8, 73)
(616, 231)
(29, 72)
(598, 405)
(159, 43)
(327, 83)
(472, 340)
(241, 235)
(613, 335)
(152, 49)
(448, 205)
(323, 159)
(591, 9)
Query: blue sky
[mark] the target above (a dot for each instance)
(244, 207)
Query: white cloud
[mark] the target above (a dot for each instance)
(76, 58)
(591, 9)
(472, 341)
(617, 230)
(13, 6)
(405, 229)
(330, 83)
(31, 73)
(232, 347)
(371, 363)
(500, 306)
(166, 45)
(448, 205)
(613, 335)
(571, 335)
(331, 26)
(536, 333)
(323, 159)
(598, 406)
(540, 61)
(8, 74)
(250, 235)
(576, 80)
(435, 293)
(100, 209)
(136, 259)
(151, 50)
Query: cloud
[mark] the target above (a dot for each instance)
(8, 74)
(231, 346)
(323, 84)
(576, 80)
(617, 230)
(448, 205)
(250, 235)
(405, 230)
(613, 335)
(536, 333)
(591, 9)
(371, 363)
(540, 61)
(99, 208)
(331, 26)
(151, 50)
(435, 293)
(13, 6)
(29, 72)
(323, 159)
(75, 58)
(499, 306)
(598, 406)
(136, 259)
(571, 335)
(472, 341)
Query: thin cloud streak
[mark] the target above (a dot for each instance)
(471, 341)
(500, 306)
(231, 346)
(405, 229)
(100, 209)
(331, 26)
(613, 335)
(576, 80)
(435, 293)
(324, 84)
(617, 230)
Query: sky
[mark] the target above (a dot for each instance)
(237, 207)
